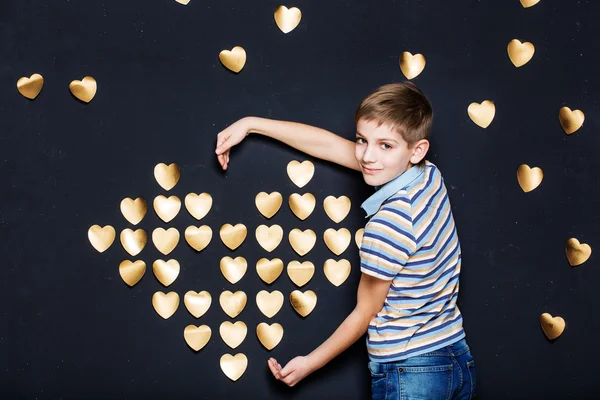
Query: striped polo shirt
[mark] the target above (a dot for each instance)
(411, 240)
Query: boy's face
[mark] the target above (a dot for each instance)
(381, 152)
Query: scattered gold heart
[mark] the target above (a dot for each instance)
(300, 274)
(302, 241)
(482, 114)
(337, 208)
(165, 305)
(303, 303)
(233, 236)
(197, 303)
(570, 121)
(234, 366)
(232, 303)
(167, 208)
(132, 272)
(411, 66)
(269, 237)
(552, 327)
(520, 53)
(85, 89)
(302, 206)
(165, 240)
(287, 19)
(358, 237)
(337, 271)
(268, 204)
(101, 238)
(577, 253)
(134, 210)
(529, 3)
(337, 241)
(166, 271)
(30, 87)
(184, 2)
(233, 270)
(529, 178)
(197, 336)
(133, 241)
(234, 59)
(300, 173)
(269, 270)
(198, 205)
(233, 334)
(198, 237)
(269, 335)
(269, 303)
(167, 176)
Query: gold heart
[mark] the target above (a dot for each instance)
(529, 3)
(529, 178)
(101, 238)
(232, 303)
(300, 274)
(269, 270)
(411, 66)
(552, 327)
(198, 237)
(268, 204)
(167, 208)
(337, 241)
(300, 173)
(482, 114)
(520, 53)
(198, 204)
(165, 305)
(577, 253)
(184, 2)
(302, 206)
(337, 271)
(234, 59)
(269, 237)
(165, 240)
(166, 271)
(197, 336)
(167, 176)
(337, 208)
(133, 242)
(269, 303)
(85, 89)
(233, 366)
(358, 237)
(287, 19)
(197, 303)
(269, 335)
(30, 87)
(570, 121)
(233, 236)
(134, 210)
(303, 303)
(302, 241)
(233, 334)
(233, 270)
(132, 272)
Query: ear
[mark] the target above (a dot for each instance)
(419, 151)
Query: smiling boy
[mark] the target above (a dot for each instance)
(410, 254)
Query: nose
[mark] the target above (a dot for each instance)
(369, 155)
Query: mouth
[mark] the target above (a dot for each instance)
(370, 171)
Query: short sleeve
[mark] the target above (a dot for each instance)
(388, 241)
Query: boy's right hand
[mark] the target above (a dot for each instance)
(228, 138)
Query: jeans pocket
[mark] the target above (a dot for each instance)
(472, 377)
(378, 382)
(426, 382)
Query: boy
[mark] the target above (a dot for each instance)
(410, 254)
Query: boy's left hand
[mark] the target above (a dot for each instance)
(294, 371)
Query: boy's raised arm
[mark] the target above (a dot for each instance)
(311, 140)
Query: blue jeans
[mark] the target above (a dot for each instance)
(446, 373)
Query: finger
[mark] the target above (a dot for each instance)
(286, 371)
(289, 380)
(273, 368)
(220, 145)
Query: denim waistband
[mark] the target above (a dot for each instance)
(455, 349)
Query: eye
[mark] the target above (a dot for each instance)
(360, 140)
(385, 146)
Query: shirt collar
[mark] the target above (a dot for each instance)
(374, 202)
